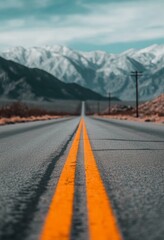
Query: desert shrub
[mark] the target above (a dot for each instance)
(15, 109)
(22, 110)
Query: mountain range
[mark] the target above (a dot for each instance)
(99, 71)
(22, 83)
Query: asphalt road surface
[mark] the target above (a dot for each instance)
(82, 178)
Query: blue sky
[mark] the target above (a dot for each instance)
(87, 25)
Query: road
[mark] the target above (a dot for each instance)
(82, 178)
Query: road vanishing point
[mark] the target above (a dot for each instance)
(84, 178)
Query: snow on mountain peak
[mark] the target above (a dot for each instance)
(153, 49)
(98, 70)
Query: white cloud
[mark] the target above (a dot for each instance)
(15, 23)
(17, 4)
(11, 4)
(103, 24)
(45, 35)
(128, 22)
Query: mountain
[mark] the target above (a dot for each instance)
(23, 83)
(100, 71)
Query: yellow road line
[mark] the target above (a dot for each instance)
(102, 222)
(58, 221)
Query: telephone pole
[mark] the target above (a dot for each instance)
(136, 74)
(98, 107)
(109, 103)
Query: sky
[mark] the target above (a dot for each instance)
(86, 25)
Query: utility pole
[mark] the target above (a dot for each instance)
(109, 103)
(98, 107)
(136, 74)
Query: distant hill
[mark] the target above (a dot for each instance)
(22, 83)
(156, 106)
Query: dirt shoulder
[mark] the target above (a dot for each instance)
(16, 119)
(152, 118)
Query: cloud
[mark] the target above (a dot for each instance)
(101, 24)
(9, 4)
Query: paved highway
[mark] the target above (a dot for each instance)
(82, 178)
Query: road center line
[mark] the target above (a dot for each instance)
(102, 222)
(59, 218)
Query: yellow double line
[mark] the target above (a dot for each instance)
(101, 220)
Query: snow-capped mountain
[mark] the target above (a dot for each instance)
(100, 71)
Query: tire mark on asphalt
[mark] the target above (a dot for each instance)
(17, 228)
